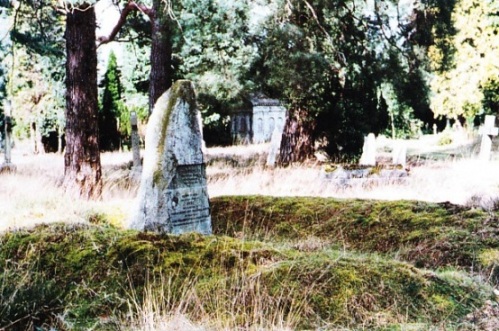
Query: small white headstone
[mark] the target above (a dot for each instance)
(369, 151)
(488, 130)
(399, 153)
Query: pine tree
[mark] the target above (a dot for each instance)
(326, 61)
(111, 107)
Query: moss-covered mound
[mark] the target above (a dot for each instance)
(81, 276)
(429, 235)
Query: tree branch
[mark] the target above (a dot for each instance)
(130, 6)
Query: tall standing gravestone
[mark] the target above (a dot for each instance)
(173, 194)
(135, 140)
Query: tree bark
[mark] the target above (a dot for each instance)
(297, 144)
(161, 76)
(82, 167)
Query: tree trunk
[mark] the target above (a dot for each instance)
(161, 75)
(297, 144)
(82, 167)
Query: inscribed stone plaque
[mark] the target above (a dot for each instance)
(187, 193)
(173, 195)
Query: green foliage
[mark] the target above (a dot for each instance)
(490, 90)
(38, 96)
(36, 69)
(112, 110)
(329, 64)
(215, 53)
(460, 89)
(433, 28)
(44, 38)
(134, 78)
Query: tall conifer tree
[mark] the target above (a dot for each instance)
(111, 108)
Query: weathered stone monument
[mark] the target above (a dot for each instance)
(135, 140)
(488, 130)
(399, 153)
(173, 195)
(369, 151)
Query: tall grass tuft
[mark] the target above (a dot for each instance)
(237, 303)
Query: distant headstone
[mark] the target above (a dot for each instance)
(399, 153)
(8, 140)
(173, 196)
(7, 166)
(275, 145)
(488, 130)
(135, 140)
(369, 151)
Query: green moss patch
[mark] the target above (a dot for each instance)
(76, 277)
(430, 235)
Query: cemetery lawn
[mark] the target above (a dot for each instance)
(275, 262)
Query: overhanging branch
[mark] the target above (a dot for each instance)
(130, 6)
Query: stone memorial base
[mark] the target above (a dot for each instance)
(344, 175)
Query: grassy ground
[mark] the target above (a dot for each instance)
(400, 258)
(33, 195)
(437, 174)
(427, 235)
(113, 278)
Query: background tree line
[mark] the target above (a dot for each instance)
(343, 69)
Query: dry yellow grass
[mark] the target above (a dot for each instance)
(454, 180)
(32, 195)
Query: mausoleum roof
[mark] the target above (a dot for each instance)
(262, 100)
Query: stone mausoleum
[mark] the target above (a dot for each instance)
(255, 123)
